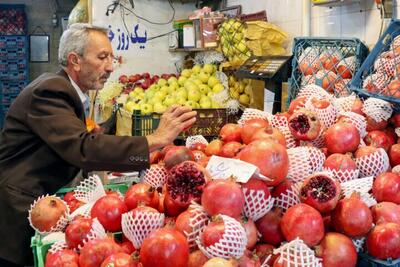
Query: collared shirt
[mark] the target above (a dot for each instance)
(84, 97)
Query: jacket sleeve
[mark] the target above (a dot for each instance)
(53, 117)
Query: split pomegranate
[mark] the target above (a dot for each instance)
(250, 127)
(383, 242)
(305, 222)
(231, 132)
(156, 156)
(269, 227)
(120, 260)
(386, 187)
(296, 104)
(352, 217)
(270, 157)
(65, 257)
(269, 133)
(304, 125)
(197, 259)
(231, 149)
(378, 139)
(386, 212)
(186, 181)
(321, 192)
(77, 231)
(199, 155)
(165, 247)
(95, 251)
(263, 251)
(342, 137)
(337, 250)
(141, 193)
(108, 210)
(214, 147)
(177, 155)
(47, 212)
(223, 197)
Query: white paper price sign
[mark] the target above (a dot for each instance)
(223, 168)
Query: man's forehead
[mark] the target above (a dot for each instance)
(99, 42)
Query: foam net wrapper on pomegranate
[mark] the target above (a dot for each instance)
(281, 123)
(288, 199)
(137, 228)
(232, 244)
(61, 223)
(377, 109)
(362, 186)
(373, 164)
(156, 176)
(195, 139)
(96, 232)
(377, 82)
(385, 65)
(256, 205)
(359, 243)
(304, 161)
(297, 254)
(318, 142)
(344, 104)
(313, 90)
(397, 131)
(57, 246)
(396, 169)
(90, 189)
(252, 113)
(327, 116)
(357, 120)
(197, 221)
(343, 175)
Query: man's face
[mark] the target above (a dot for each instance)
(96, 64)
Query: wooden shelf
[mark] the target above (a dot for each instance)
(191, 49)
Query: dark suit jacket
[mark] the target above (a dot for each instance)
(43, 145)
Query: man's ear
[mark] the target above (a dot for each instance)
(75, 61)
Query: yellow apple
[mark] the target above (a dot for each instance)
(218, 88)
(181, 93)
(159, 108)
(196, 69)
(131, 106)
(208, 68)
(182, 80)
(169, 100)
(212, 81)
(194, 95)
(204, 89)
(186, 73)
(244, 99)
(172, 79)
(146, 109)
(162, 82)
(204, 76)
(205, 102)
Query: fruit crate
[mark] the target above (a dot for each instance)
(381, 68)
(365, 260)
(12, 20)
(324, 61)
(208, 123)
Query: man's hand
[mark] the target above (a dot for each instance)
(172, 123)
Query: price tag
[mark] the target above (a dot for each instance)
(223, 168)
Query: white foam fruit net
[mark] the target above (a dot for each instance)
(348, 62)
(198, 219)
(396, 169)
(318, 142)
(278, 121)
(344, 104)
(373, 164)
(357, 120)
(397, 131)
(375, 82)
(297, 254)
(257, 204)
(138, 224)
(90, 189)
(62, 221)
(156, 176)
(306, 80)
(362, 186)
(251, 113)
(83, 210)
(385, 64)
(232, 244)
(288, 199)
(304, 161)
(195, 139)
(326, 116)
(57, 246)
(281, 123)
(313, 90)
(343, 175)
(359, 243)
(96, 232)
(378, 109)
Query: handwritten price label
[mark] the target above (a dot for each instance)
(223, 168)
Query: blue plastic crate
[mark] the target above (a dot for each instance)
(377, 71)
(18, 75)
(309, 51)
(365, 260)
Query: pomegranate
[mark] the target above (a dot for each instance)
(270, 157)
(231, 132)
(182, 223)
(282, 188)
(321, 192)
(213, 232)
(223, 197)
(231, 149)
(249, 260)
(269, 227)
(383, 242)
(127, 247)
(177, 155)
(197, 259)
(357, 106)
(251, 232)
(329, 61)
(378, 139)
(374, 125)
(163, 247)
(64, 257)
(320, 103)
(259, 187)
(77, 231)
(337, 250)
(199, 155)
(46, 213)
(304, 125)
(198, 146)
(328, 80)
(186, 181)
(365, 151)
(344, 72)
(340, 163)
(95, 251)
(218, 262)
(308, 68)
(269, 133)
(263, 251)
(108, 210)
(352, 217)
(214, 147)
(305, 222)
(120, 260)
(296, 104)
(391, 134)
(156, 156)
(386, 187)
(141, 192)
(171, 207)
(250, 127)
(395, 119)
(72, 202)
(342, 137)
(393, 89)
(386, 212)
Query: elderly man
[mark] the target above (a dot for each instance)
(45, 143)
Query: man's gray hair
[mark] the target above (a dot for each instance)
(75, 39)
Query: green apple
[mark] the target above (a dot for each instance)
(218, 88)
(160, 94)
(138, 90)
(192, 104)
(169, 100)
(212, 81)
(173, 87)
(181, 100)
(140, 96)
(204, 76)
(192, 86)
(210, 94)
(204, 89)
(130, 106)
(197, 81)
(146, 109)
(194, 95)
(172, 79)
(205, 102)
(153, 87)
(162, 82)
(164, 89)
(181, 93)
(196, 69)
(186, 73)
(182, 80)
(159, 108)
(208, 68)
(189, 83)
(155, 99)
